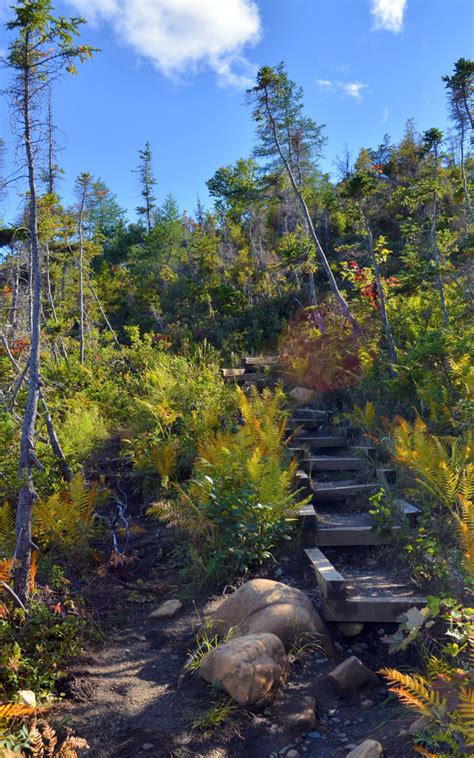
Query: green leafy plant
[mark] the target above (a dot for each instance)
(240, 500)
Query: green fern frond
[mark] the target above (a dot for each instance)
(7, 528)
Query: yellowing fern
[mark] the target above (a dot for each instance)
(444, 467)
(66, 519)
(9, 711)
(414, 692)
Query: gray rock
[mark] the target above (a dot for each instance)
(366, 703)
(292, 754)
(147, 746)
(167, 610)
(350, 629)
(352, 675)
(367, 749)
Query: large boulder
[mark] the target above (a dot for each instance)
(246, 667)
(262, 605)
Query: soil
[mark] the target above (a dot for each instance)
(130, 696)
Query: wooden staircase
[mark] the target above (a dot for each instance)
(340, 474)
(255, 370)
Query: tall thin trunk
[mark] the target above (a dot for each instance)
(463, 169)
(81, 278)
(13, 312)
(309, 223)
(48, 283)
(51, 175)
(380, 291)
(27, 494)
(434, 243)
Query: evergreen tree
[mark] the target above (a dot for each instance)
(148, 181)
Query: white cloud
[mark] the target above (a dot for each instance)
(325, 83)
(352, 89)
(178, 36)
(388, 14)
(385, 115)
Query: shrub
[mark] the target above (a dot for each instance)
(240, 500)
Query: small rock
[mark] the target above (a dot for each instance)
(338, 646)
(167, 610)
(349, 629)
(419, 725)
(147, 746)
(298, 712)
(367, 703)
(292, 754)
(315, 735)
(27, 697)
(367, 749)
(352, 675)
(381, 631)
(278, 572)
(352, 746)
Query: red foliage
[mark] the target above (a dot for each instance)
(324, 361)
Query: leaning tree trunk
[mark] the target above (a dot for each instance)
(308, 220)
(27, 458)
(380, 291)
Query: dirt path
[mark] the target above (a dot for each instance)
(129, 695)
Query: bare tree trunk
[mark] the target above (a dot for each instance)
(309, 223)
(27, 458)
(463, 170)
(48, 283)
(13, 313)
(434, 243)
(51, 176)
(81, 278)
(381, 294)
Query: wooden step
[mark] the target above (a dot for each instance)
(304, 413)
(232, 372)
(376, 610)
(261, 360)
(306, 423)
(330, 582)
(366, 596)
(349, 529)
(334, 529)
(342, 490)
(314, 441)
(328, 463)
(246, 377)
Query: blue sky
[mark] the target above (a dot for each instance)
(174, 72)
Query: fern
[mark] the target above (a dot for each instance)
(66, 519)
(9, 711)
(413, 691)
(444, 468)
(7, 529)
